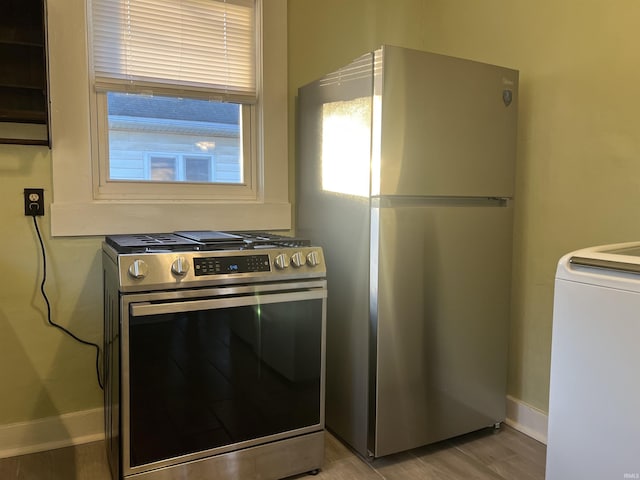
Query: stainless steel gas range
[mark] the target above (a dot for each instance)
(214, 355)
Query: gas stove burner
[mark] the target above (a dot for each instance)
(201, 240)
(150, 242)
(269, 240)
(209, 236)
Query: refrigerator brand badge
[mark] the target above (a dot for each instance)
(507, 96)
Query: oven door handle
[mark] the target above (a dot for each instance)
(147, 308)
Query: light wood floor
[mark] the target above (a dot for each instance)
(486, 455)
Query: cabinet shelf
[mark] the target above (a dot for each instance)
(21, 43)
(23, 116)
(20, 86)
(23, 141)
(23, 73)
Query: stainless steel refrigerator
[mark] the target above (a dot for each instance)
(405, 176)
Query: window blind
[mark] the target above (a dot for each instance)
(193, 48)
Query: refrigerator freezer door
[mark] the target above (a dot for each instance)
(443, 289)
(335, 115)
(448, 126)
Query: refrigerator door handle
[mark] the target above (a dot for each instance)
(436, 201)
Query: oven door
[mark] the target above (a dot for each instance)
(215, 370)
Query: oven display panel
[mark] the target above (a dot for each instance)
(227, 265)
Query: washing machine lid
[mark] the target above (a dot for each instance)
(618, 262)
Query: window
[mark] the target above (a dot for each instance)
(144, 131)
(172, 77)
(161, 151)
(198, 169)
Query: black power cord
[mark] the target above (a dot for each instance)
(46, 299)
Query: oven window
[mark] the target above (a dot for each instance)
(209, 378)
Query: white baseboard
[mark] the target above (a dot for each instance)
(527, 419)
(88, 426)
(51, 432)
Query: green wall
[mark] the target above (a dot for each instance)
(42, 372)
(578, 164)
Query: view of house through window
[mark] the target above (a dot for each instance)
(169, 139)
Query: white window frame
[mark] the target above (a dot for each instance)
(77, 210)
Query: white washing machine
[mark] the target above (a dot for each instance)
(594, 403)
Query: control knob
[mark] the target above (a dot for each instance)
(298, 259)
(313, 259)
(180, 266)
(281, 262)
(138, 269)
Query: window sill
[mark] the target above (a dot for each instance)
(104, 218)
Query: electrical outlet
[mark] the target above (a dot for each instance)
(33, 202)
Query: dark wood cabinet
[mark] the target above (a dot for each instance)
(23, 73)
